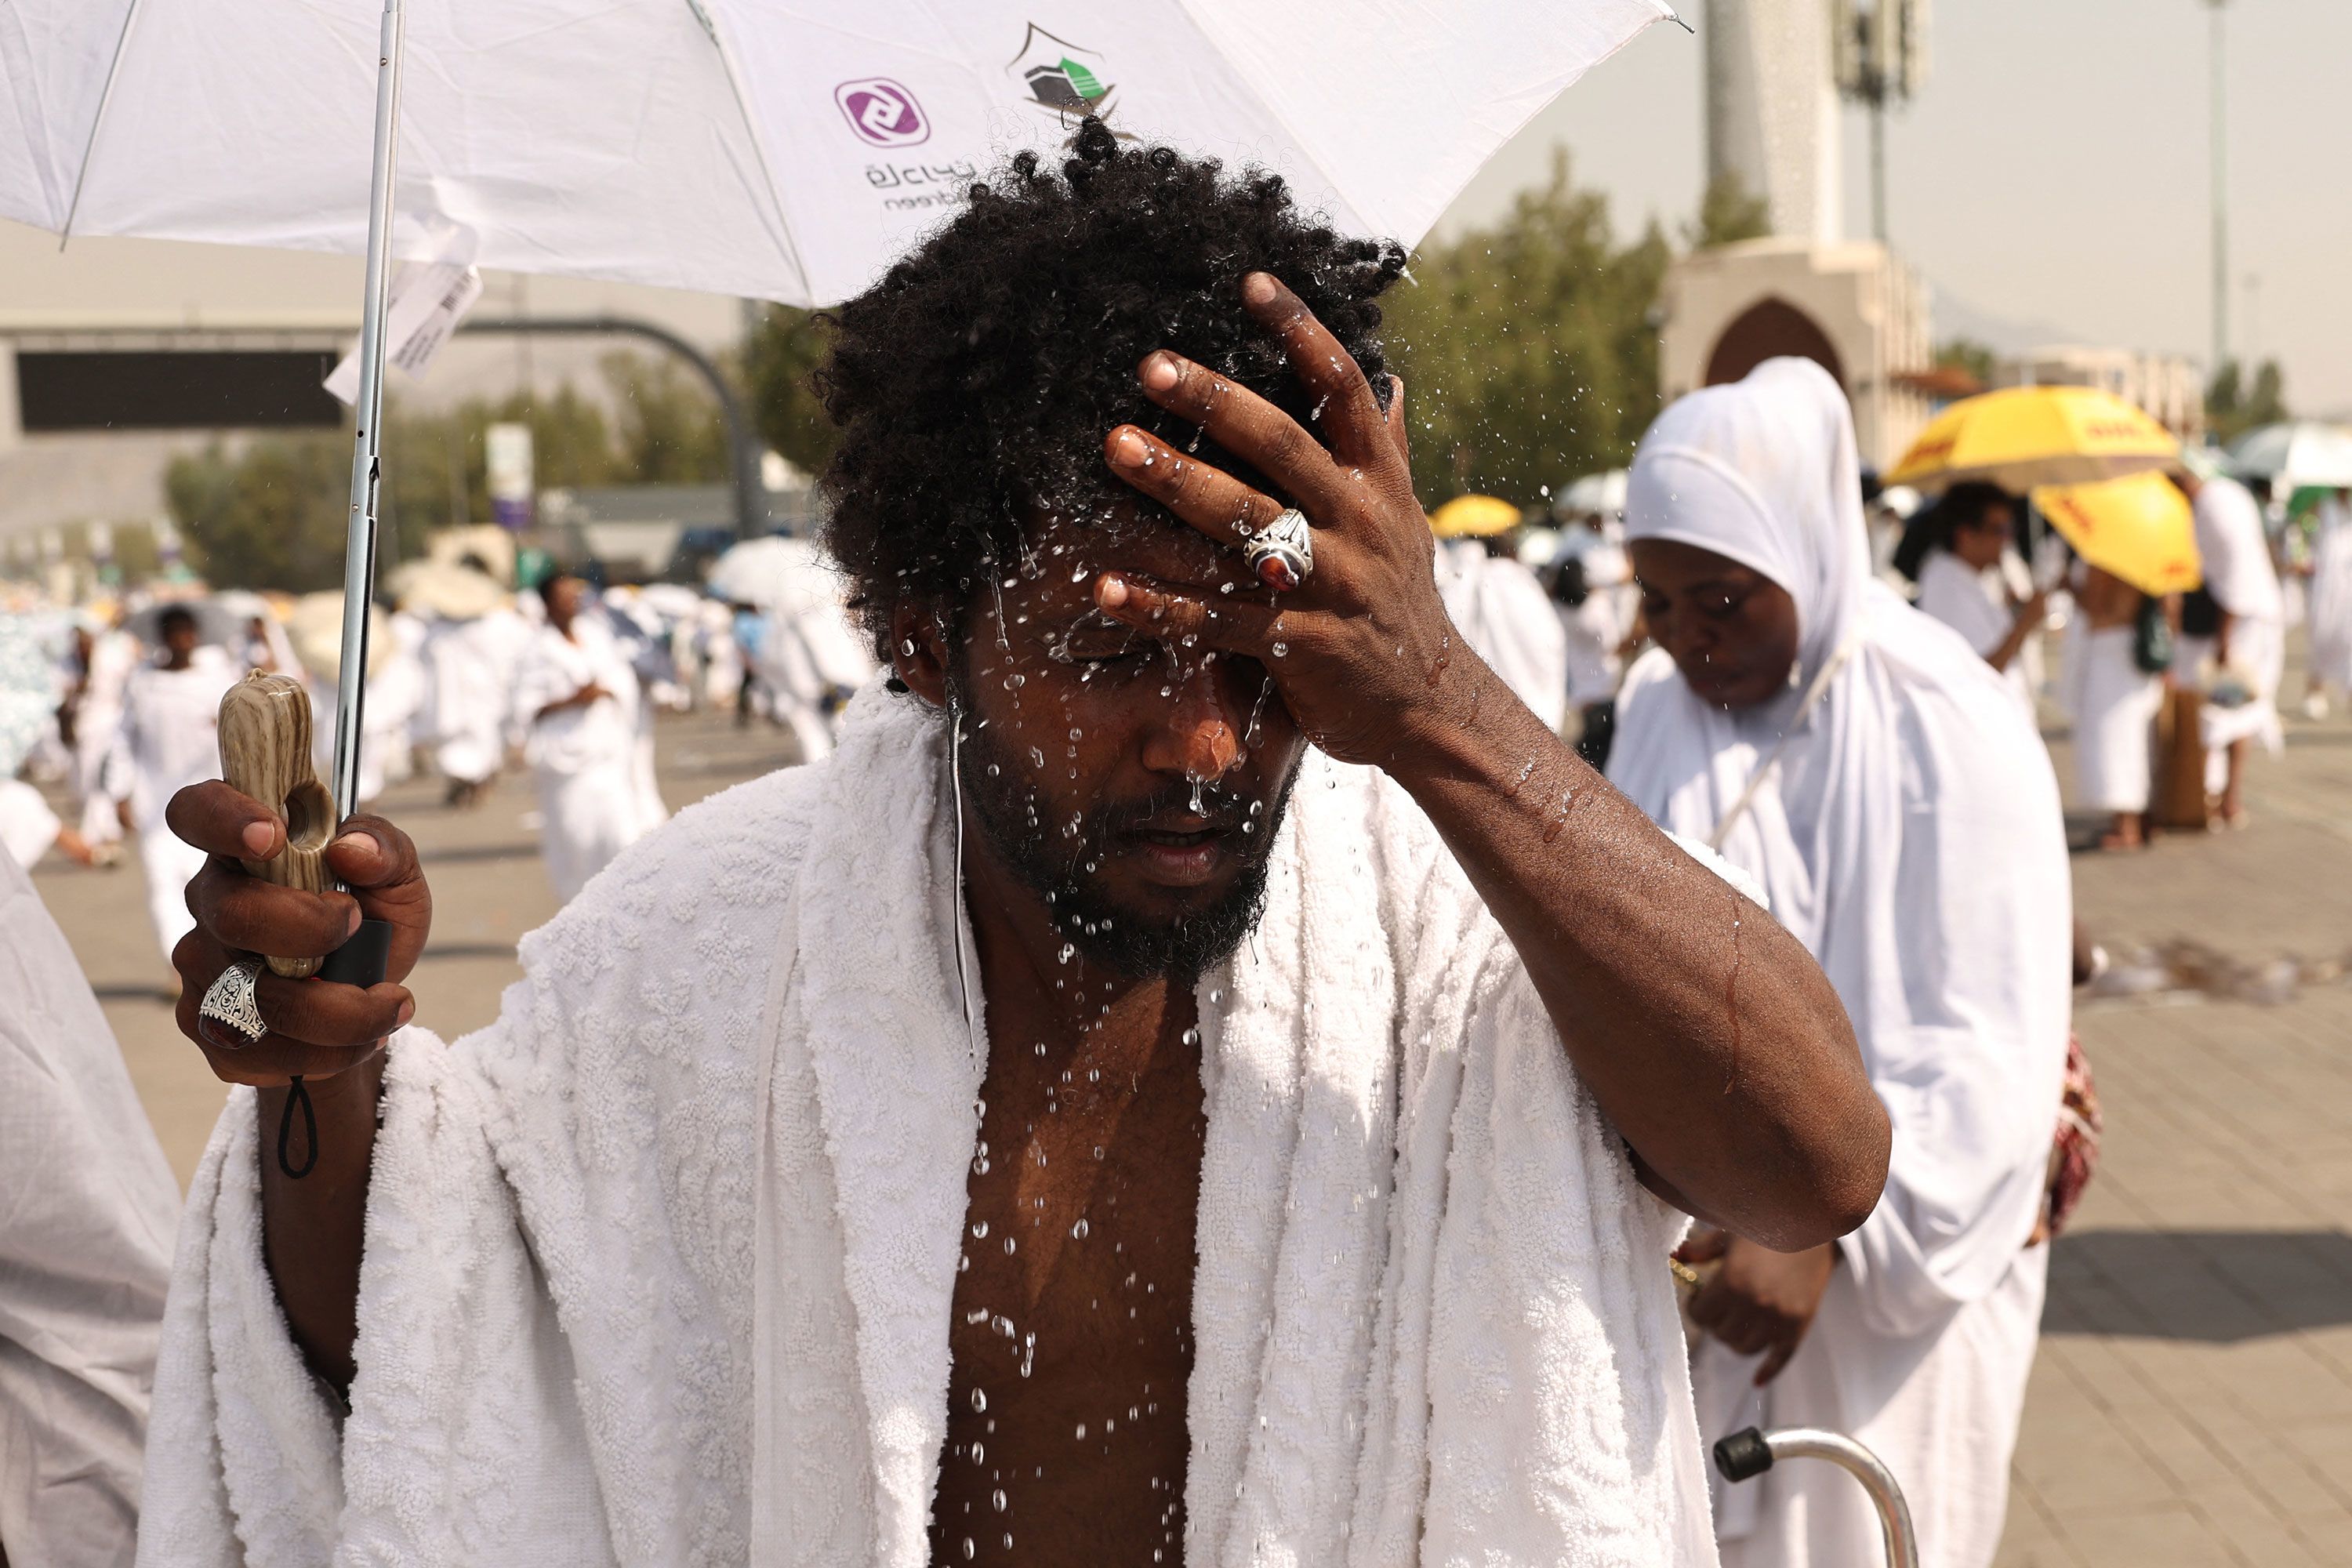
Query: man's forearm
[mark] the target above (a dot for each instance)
(1704, 1029)
(312, 1229)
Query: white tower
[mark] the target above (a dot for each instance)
(1772, 111)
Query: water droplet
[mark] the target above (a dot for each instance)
(979, 1401)
(979, 1229)
(1082, 1431)
(1281, 649)
(1036, 757)
(969, 1551)
(1078, 1231)
(1009, 1245)
(998, 1499)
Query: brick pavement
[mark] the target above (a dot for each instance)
(2192, 1402)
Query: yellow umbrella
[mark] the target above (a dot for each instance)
(2023, 437)
(1473, 516)
(2139, 528)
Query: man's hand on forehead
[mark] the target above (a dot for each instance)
(1359, 649)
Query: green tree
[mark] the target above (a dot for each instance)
(1968, 354)
(2232, 408)
(670, 431)
(1728, 214)
(780, 360)
(270, 516)
(1529, 351)
(436, 463)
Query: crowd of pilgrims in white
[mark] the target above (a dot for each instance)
(1923, 1341)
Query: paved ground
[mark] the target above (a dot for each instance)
(2192, 1404)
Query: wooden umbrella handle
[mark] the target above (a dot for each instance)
(264, 746)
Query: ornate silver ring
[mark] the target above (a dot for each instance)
(1282, 554)
(230, 999)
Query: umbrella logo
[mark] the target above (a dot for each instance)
(882, 112)
(1060, 77)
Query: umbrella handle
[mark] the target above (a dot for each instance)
(265, 748)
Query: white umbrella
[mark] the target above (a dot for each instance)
(2295, 455)
(751, 147)
(739, 146)
(761, 571)
(1603, 493)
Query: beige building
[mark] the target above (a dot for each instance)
(1854, 308)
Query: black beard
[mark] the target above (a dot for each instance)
(1057, 867)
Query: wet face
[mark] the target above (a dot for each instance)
(1134, 785)
(1979, 540)
(1730, 630)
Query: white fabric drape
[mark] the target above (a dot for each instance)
(1503, 612)
(1910, 836)
(2114, 704)
(592, 803)
(659, 1265)
(1975, 604)
(2330, 615)
(85, 1251)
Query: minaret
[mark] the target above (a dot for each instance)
(1772, 111)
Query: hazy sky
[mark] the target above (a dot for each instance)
(2054, 170)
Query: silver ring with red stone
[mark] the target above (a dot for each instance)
(1282, 554)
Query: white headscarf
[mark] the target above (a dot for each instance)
(1909, 832)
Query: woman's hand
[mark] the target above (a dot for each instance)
(317, 1027)
(1760, 1302)
(1361, 652)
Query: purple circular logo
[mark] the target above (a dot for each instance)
(882, 112)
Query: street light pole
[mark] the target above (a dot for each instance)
(2221, 189)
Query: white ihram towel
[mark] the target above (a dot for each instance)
(659, 1265)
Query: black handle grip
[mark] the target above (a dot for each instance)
(363, 957)
(1743, 1456)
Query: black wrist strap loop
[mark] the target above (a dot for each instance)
(297, 1095)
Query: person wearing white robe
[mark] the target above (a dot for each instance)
(85, 1254)
(168, 739)
(810, 658)
(471, 668)
(1504, 613)
(2329, 618)
(2114, 704)
(705, 1250)
(576, 698)
(112, 654)
(2251, 645)
(1903, 817)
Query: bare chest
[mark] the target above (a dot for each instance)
(1071, 1336)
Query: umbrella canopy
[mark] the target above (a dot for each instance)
(1603, 493)
(316, 628)
(761, 571)
(739, 146)
(2023, 437)
(215, 621)
(443, 588)
(2139, 528)
(1473, 516)
(2295, 456)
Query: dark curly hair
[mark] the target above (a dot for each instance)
(975, 384)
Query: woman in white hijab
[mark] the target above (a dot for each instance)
(1876, 775)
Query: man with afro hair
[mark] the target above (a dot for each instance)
(1179, 1085)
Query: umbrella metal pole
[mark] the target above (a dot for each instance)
(367, 441)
